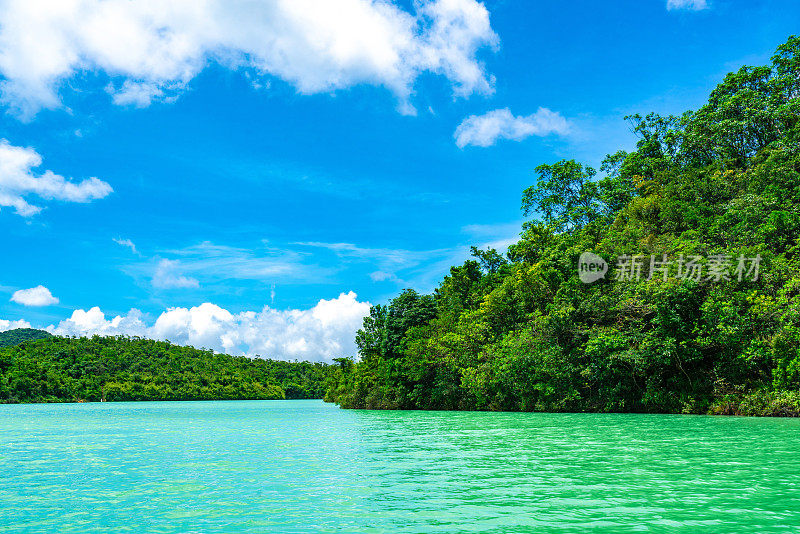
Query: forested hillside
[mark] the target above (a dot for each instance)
(698, 313)
(18, 335)
(123, 369)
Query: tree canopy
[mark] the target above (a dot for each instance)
(19, 335)
(722, 182)
(60, 369)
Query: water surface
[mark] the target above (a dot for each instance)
(306, 466)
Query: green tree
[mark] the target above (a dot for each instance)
(529, 335)
(564, 196)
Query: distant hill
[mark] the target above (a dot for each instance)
(63, 369)
(19, 335)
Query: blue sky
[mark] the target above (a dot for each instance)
(287, 165)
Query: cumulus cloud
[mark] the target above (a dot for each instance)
(321, 333)
(93, 321)
(484, 130)
(150, 50)
(35, 296)
(19, 180)
(11, 325)
(168, 275)
(692, 5)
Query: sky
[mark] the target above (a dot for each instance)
(250, 176)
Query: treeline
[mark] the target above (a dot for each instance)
(60, 369)
(718, 187)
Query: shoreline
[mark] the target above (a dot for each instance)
(784, 413)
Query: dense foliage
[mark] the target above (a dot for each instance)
(124, 369)
(524, 333)
(18, 335)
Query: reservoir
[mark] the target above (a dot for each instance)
(307, 466)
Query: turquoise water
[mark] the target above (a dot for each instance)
(305, 466)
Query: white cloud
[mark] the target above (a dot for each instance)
(150, 50)
(484, 130)
(420, 269)
(168, 276)
(94, 322)
(389, 258)
(135, 94)
(35, 296)
(126, 243)
(11, 325)
(692, 5)
(497, 236)
(321, 333)
(389, 262)
(381, 276)
(221, 262)
(493, 231)
(18, 180)
(217, 265)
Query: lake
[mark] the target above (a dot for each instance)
(307, 466)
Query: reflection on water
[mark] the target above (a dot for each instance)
(304, 466)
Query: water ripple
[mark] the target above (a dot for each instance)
(304, 466)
